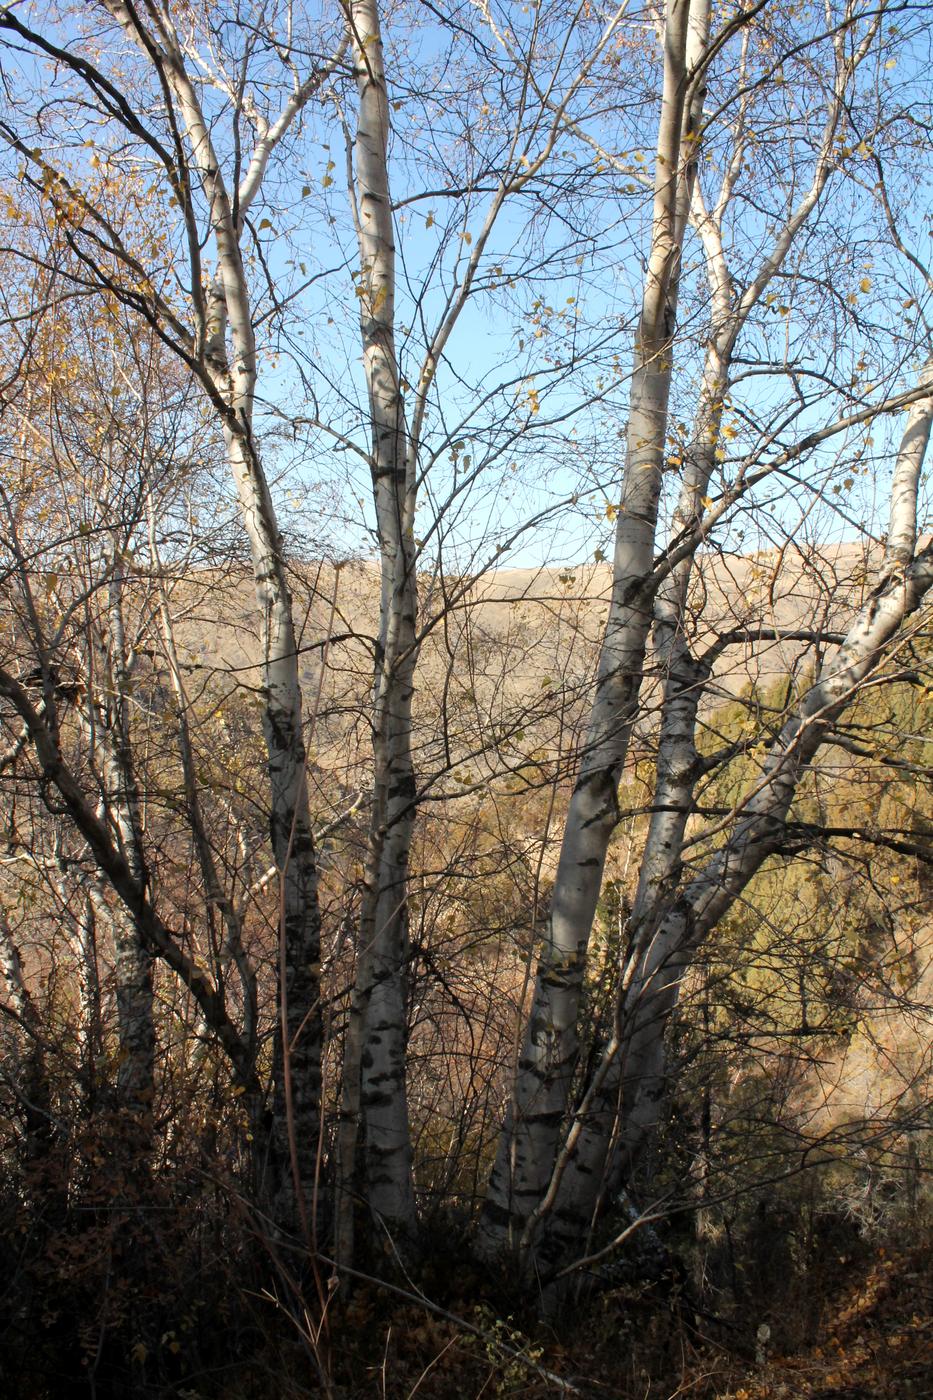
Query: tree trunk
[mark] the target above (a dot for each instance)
(223, 314)
(107, 725)
(622, 1117)
(383, 947)
(32, 1084)
(528, 1146)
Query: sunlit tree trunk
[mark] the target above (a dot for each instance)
(623, 1114)
(528, 1146)
(226, 341)
(608, 1119)
(577, 1172)
(377, 1031)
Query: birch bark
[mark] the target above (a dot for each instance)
(624, 1113)
(107, 726)
(603, 1116)
(528, 1146)
(684, 676)
(113, 864)
(380, 1010)
(374, 1045)
(226, 343)
(32, 1083)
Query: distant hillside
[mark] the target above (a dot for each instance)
(512, 652)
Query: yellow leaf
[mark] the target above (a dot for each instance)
(865, 284)
(429, 221)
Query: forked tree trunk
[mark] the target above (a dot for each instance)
(622, 1115)
(227, 318)
(607, 1126)
(557, 1218)
(529, 1143)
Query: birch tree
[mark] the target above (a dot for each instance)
(501, 291)
(551, 1179)
(526, 1152)
(376, 1041)
(78, 642)
(212, 331)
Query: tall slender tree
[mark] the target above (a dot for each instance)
(213, 191)
(560, 1161)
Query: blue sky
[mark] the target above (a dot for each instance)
(528, 414)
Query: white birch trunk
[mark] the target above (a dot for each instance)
(91, 1033)
(32, 1082)
(623, 1115)
(297, 1053)
(107, 725)
(528, 1146)
(223, 318)
(377, 1033)
(113, 864)
(684, 677)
